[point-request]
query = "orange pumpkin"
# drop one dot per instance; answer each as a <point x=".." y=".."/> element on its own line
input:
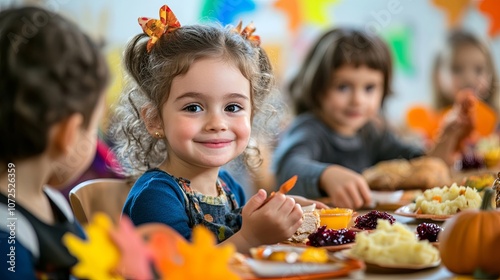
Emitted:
<point x="466" y="240"/>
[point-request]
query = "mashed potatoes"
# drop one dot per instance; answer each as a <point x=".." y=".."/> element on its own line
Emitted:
<point x="447" y="200"/>
<point x="396" y="244"/>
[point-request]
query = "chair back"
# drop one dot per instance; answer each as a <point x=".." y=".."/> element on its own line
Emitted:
<point x="106" y="195"/>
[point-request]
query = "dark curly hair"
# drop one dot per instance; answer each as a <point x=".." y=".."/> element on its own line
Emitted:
<point x="49" y="70"/>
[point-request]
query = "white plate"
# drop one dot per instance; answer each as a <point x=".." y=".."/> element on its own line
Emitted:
<point x="265" y="268"/>
<point x="409" y="211"/>
<point x="392" y="268"/>
<point x="309" y="208"/>
<point x="385" y="197"/>
<point x="282" y="269"/>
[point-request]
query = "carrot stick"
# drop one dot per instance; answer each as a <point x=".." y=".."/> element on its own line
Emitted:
<point x="284" y="188"/>
<point x="288" y="185"/>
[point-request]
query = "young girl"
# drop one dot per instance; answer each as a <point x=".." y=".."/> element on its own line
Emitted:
<point x="51" y="100"/>
<point x="466" y="64"/>
<point x="338" y="132"/>
<point x="195" y="91"/>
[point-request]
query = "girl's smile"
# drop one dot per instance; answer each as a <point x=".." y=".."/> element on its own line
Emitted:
<point x="215" y="143"/>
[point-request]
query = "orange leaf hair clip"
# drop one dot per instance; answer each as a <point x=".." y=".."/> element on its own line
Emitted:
<point x="247" y="33"/>
<point x="155" y="28"/>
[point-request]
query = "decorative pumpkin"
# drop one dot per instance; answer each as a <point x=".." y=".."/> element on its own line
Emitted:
<point x="465" y="243"/>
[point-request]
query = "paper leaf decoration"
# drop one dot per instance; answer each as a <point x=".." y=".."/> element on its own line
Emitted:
<point x="135" y="255"/>
<point x="201" y="259"/>
<point x="305" y="11"/>
<point x="491" y="9"/>
<point x="454" y="10"/>
<point x="293" y="11"/>
<point x="98" y="256"/>
<point x="399" y="39"/>
<point x="318" y="12"/>
<point x="225" y="11"/>
<point x="423" y="120"/>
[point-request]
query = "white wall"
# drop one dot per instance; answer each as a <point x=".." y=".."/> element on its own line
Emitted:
<point x="117" y="22"/>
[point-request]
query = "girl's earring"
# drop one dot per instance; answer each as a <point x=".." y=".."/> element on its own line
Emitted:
<point x="158" y="135"/>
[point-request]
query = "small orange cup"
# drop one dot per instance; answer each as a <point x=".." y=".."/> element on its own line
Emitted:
<point x="335" y="218"/>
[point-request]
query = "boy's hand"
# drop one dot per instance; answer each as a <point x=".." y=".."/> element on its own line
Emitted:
<point x="275" y="221"/>
<point x="345" y="187"/>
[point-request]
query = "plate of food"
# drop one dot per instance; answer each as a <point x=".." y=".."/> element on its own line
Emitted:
<point x="386" y="249"/>
<point x="378" y="267"/>
<point x="441" y="203"/>
<point x="292" y="262"/>
<point x="409" y="211"/>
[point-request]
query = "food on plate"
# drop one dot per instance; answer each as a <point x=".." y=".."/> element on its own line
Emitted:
<point x="369" y="220"/>
<point x="428" y="231"/>
<point x="419" y="173"/>
<point x="330" y="237"/>
<point x="387" y="175"/>
<point x="390" y="244"/>
<point x="289" y="254"/>
<point x="489" y="149"/>
<point x="447" y="200"/>
<point x="309" y="225"/>
<point x="479" y="181"/>
<point x="492" y="157"/>
<point x="314" y="255"/>
<point x="471" y="161"/>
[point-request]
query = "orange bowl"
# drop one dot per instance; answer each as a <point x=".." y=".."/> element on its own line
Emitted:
<point x="335" y="218"/>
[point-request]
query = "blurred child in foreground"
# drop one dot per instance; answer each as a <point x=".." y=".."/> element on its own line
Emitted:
<point x="51" y="98"/>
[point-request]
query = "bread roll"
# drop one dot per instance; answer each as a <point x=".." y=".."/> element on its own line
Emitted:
<point x="419" y="173"/>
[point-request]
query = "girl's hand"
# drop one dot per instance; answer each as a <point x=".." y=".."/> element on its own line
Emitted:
<point x="459" y="124"/>
<point x="305" y="202"/>
<point x="456" y="129"/>
<point x="273" y="222"/>
<point x="345" y="187"/>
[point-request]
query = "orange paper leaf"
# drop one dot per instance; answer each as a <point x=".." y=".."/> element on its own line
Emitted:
<point x="491" y="9"/>
<point x="293" y="10"/>
<point x="454" y="10"/>
<point x="423" y="119"/>
<point x="202" y="259"/>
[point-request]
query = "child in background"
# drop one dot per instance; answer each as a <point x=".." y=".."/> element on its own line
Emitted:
<point x="189" y="111"/>
<point x="338" y="131"/>
<point x="51" y="99"/>
<point x="466" y="64"/>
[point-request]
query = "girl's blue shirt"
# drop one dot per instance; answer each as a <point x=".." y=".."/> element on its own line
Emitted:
<point x="158" y="197"/>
